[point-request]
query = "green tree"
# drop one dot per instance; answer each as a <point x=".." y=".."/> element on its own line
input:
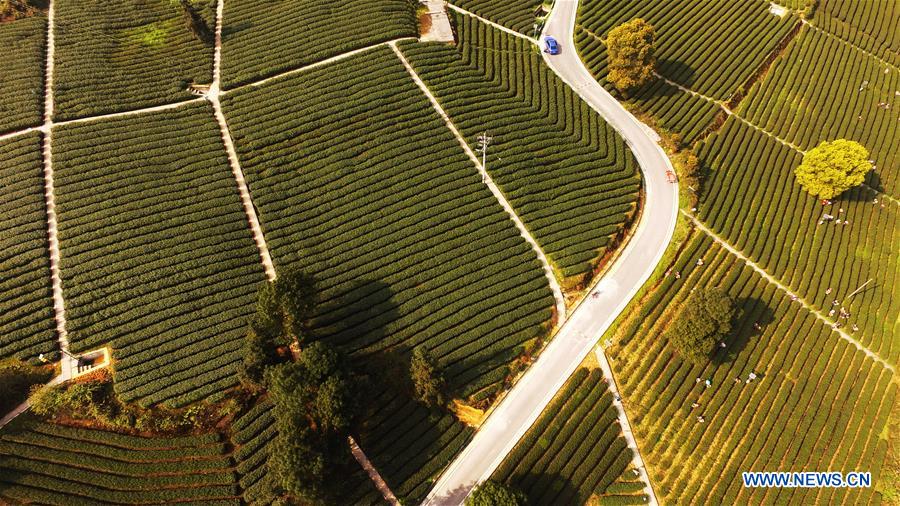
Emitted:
<point x="315" y="402"/>
<point x="299" y="467"/>
<point x="427" y="379"/>
<point x="492" y="493"/>
<point x="259" y="351"/>
<point x="703" y="319"/>
<point x="283" y="306"/>
<point x="283" y="310"/>
<point x="833" y="167"/>
<point x="630" y="51"/>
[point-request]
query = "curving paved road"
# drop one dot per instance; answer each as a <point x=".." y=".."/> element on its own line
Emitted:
<point x="578" y="336"/>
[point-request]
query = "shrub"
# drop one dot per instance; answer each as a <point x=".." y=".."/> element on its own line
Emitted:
<point x="17" y="9"/>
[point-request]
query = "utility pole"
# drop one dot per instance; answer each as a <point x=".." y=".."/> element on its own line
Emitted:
<point x="858" y="289"/>
<point x="483" y="141"/>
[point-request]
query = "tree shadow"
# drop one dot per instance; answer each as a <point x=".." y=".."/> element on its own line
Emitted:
<point x="548" y="489"/>
<point x="873" y="180"/>
<point x="750" y="323"/>
<point x="655" y="89"/>
<point x="676" y="71"/>
<point x="406" y="441"/>
<point x="357" y="318"/>
<point x="454" y="497"/>
<point x="863" y="193"/>
<point x="232" y="28"/>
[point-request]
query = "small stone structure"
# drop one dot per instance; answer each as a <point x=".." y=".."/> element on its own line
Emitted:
<point x="198" y="89"/>
<point x="91" y="361"/>
<point x="778" y="10"/>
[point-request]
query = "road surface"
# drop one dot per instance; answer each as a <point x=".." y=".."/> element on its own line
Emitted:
<point x="578" y="336"/>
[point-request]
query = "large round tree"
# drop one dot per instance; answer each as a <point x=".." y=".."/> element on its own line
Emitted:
<point x="703" y="319"/>
<point x="833" y="167"/>
<point x="630" y="51"/>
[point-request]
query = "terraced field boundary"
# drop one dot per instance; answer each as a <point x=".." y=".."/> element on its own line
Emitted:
<point x="59" y="305"/>
<point x="376" y="478"/>
<point x="548" y="271"/>
<point x="25" y="131"/>
<point x="847" y="337"/>
<point x="320" y="63"/>
<point x="246" y="201"/>
<point x="760" y="73"/>
<point x="636" y="460"/>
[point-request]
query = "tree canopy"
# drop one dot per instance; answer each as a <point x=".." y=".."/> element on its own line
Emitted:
<point x="833" y="167"/>
<point x="283" y="309"/>
<point x="703" y="319"/>
<point x="492" y="493"/>
<point x="315" y="402"/>
<point x="427" y="379"/>
<point x="283" y="306"/>
<point x="630" y="50"/>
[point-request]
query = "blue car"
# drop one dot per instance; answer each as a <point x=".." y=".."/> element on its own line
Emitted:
<point x="551" y="46"/>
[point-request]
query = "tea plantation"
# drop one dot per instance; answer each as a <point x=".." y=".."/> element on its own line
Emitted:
<point x="814" y="283"/>
<point x="358" y="182"/>
<point x="54" y="464"/>
<point x="818" y="401"/>
<point x="22" y="64"/>
<point x="26" y="310"/>
<point x="114" y="56"/>
<point x="568" y="174"/>
<point x="157" y="258"/>
<point x="261" y="38"/>
<point x="156" y="154"/>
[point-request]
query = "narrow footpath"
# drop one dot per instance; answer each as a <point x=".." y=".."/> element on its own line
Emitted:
<point x="637" y="461"/>
<point x="373" y="473"/>
<point x="67" y="363"/>
<point x="246" y="201"/>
